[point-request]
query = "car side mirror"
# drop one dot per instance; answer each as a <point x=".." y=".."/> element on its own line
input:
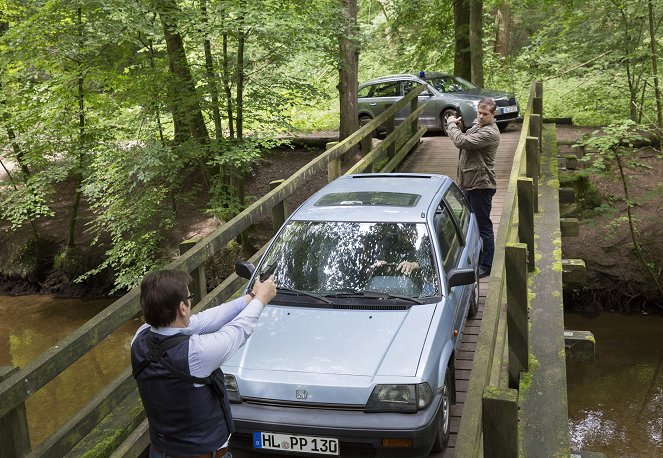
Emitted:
<point x="244" y="269"/>
<point x="461" y="277"/>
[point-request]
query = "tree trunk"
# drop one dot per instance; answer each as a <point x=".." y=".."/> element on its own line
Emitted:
<point x="241" y="38"/>
<point x="476" y="41"/>
<point x="71" y="240"/>
<point x="502" y="29"/>
<point x="226" y="87"/>
<point x="654" y="57"/>
<point x="348" y="71"/>
<point x="462" y="56"/>
<point x="186" y="110"/>
<point x="211" y="76"/>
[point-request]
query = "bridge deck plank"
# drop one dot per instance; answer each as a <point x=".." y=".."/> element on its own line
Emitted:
<point x="437" y="154"/>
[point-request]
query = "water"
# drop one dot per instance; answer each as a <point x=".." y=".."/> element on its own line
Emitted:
<point x="616" y="402"/>
<point x="32" y="324"/>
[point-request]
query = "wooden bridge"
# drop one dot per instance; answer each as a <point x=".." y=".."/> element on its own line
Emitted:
<point x="510" y="370"/>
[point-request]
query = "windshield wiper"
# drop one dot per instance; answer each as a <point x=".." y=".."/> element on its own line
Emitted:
<point x="296" y="292"/>
<point x="376" y="295"/>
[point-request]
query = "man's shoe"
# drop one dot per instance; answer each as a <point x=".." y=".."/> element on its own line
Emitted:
<point x="483" y="272"/>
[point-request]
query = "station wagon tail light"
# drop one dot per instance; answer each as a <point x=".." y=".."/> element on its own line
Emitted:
<point x="399" y="398"/>
<point x="231" y="388"/>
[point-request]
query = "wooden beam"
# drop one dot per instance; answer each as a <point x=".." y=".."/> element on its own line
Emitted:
<point x="515" y="261"/>
<point x="14" y="432"/>
<point x="500" y="422"/>
<point x="579" y="345"/>
<point x="570" y="227"/>
<point x="526" y="219"/>
<point x="567" y="195"/>
<point x="574" y="272"/>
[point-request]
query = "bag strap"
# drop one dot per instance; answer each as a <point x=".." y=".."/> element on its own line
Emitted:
<point x="155" y="354"/>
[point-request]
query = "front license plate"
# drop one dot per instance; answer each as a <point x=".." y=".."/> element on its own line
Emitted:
<point x="297" y="444"/>
<point x="510" y="109"/>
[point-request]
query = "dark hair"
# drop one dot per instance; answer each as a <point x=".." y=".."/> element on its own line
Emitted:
<point x="489" y="103"/>
<point x="161" y="293"/>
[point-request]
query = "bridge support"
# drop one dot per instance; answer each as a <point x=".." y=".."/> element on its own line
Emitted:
<point x="515" y="263"/>
<point x="579" y="345"/>
<point x="14" y="433"/>
<point x="198" y="285"/>
<point x="279" y="210"/>
<point x="500" y="422"/>
<point x="526" y="219"/>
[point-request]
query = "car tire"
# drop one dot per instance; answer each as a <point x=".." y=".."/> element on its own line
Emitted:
<point x="444" y="420"/>
<point x="365" y="119"/>
<point x="502" y="126"/>
<point x="443" y="119"/>
<point x="474" y="301"/>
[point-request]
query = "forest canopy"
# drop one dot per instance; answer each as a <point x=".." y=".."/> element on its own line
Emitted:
<point x="121" y="98"/>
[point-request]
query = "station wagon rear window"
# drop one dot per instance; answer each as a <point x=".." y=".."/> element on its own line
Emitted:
<point x="386" y="199"/>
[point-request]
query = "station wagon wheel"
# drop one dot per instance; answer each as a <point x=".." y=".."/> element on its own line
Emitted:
<point x="444" y="424"/>
<point x="474" y="300"/>
<point x="502" y="126"/>
<point x="443" y="120"/>
<point x="365" y="119"/>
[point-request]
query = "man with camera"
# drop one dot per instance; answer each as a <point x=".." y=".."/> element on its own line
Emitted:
<point x="176" y="359"/>
<point x="476" y="172"/>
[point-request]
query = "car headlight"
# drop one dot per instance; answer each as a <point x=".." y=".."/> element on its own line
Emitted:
<point x="399" y="398"/>
<point x="231" y="388"/>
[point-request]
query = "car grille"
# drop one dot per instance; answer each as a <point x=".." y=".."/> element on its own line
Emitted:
<point x="302" y="405"/>
<point x="505" y="102"/>
<point x="245" y="441"/>
<point x="505" y="117"/>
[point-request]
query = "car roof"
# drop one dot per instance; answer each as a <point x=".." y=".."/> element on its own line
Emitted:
<point x="426" y="186"/>
<point x="428" y="75"/>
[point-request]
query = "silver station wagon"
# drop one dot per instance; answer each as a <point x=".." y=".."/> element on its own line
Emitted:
<point x="375" y="274"/>
<point x="446" y="95"/>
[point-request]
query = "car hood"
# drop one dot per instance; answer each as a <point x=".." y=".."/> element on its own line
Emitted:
<point x="302" y="346"/>
<point x="479" y="93"/>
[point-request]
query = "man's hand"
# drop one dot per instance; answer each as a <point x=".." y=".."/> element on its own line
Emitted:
<point x="266" y="290"/>
<point x="406" y="267"/>
<point x="454" y="120"/>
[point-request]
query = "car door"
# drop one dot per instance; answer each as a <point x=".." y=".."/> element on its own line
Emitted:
<point x="429" y="116"/>
<point x="451" y="251"/>
<point x="382" y="96"/>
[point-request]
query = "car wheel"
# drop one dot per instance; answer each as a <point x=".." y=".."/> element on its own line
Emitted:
<point x="444" y="421"/>
<point x="443" y="120"/>
<point x="365" y="119"/>
<point x="502" y="126"/>
<point x="474" y="301"/>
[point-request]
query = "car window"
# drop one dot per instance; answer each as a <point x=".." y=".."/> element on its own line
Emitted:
<point x="365" y="91"/>
<point x="334" y="257"/>
<point x="407" y="86"/>
<point x="388" y="89"/>
<point x="447" y="236"/>
<point x="459" y="207"/>
<point x="450" y="84"/>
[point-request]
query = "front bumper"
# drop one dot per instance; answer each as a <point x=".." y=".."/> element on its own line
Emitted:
<point x="359" y="434"/>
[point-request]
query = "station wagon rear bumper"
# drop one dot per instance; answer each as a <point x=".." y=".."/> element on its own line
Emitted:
<point x="359" y="433"/>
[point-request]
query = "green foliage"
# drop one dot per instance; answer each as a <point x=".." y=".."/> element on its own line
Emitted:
<point x="23" y="261"/>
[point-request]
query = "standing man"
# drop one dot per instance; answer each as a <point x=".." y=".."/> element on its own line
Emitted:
<point x="176" y="357"/>
<point x="476" y="172"/>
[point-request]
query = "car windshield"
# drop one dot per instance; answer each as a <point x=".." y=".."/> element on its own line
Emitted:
<point x="450" y="84"/>
<point x="349" y="258"/>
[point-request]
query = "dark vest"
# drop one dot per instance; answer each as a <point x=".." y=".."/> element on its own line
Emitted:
<point x="184" y="419"/>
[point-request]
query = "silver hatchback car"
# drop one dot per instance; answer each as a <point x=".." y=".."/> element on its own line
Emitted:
<point x="375" y="274"/>
<point x="446" y="95"/>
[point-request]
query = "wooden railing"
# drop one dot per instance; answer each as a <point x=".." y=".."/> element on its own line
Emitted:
<point x="112" y="423"/>
<point x="496" y="363"/>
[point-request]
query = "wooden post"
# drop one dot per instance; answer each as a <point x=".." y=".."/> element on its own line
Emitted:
<point x="414" y="126"/>
<point x="537" y="105"/>
<point x="515" y="263"/>
<point x="570" y="227"/>
<point x="366" y="144"/>
<point x="14" y="432"/>
<point x="526" y="219"/>
<point x="499" y="416"/>
<point x="198" y="285"/>
<point x="334" y="166"/>
<point x="535" y="129"/>
<point x="279" y="211"/>
<point x="532" y="168"/>
<point x="391" y="149"/>
<point x="538" y="89"/>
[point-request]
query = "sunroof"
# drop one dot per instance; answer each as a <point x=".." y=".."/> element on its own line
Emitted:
<point x="352" y="199"/>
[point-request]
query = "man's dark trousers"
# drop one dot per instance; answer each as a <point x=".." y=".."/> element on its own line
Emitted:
<point x="481" y="201"/>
